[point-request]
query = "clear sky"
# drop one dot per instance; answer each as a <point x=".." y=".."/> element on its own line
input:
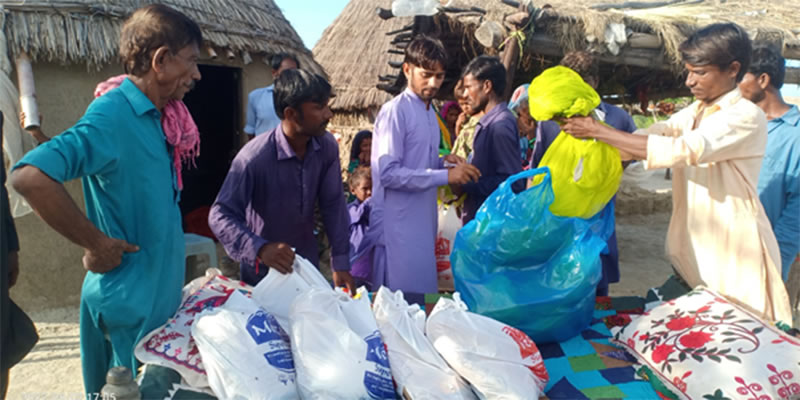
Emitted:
<point x="791" y="90"/>
<point x="310" y="17"/>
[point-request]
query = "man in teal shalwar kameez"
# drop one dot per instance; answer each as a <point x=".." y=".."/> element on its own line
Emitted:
<point x="133" y="240"/>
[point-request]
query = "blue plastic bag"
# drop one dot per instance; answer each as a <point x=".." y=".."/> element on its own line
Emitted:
<point x="518" y="263"/>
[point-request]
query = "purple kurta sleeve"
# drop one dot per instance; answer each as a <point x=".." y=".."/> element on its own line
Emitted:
<point x="227" y="218"/>
<point x="390" y="136"/>
<point x="334" y="212"/>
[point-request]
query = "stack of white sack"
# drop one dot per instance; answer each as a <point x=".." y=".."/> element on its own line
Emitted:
<point x="499" y="361"/>
<point x="420" y="372"/>
<point x="338" y="351"/>
<point x="245" y="351"/>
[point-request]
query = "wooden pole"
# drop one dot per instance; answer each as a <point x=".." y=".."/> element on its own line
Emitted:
<point x="510" y="60"/>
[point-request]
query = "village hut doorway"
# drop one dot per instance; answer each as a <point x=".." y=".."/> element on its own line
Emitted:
<point x="216" y="108"/>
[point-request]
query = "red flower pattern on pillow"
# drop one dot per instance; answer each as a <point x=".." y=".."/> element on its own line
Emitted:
<point x="679" y="324"/>
<point x="695" y="339"/>
<point x="662" y="352"/>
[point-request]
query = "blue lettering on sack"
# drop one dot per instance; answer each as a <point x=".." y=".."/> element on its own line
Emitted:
<point x="376" y="352"/>
<point x="281" y="360"/>
<point x="378" y="387"/>
<point x="379" y="384"/>
<point x="264" y="328"/>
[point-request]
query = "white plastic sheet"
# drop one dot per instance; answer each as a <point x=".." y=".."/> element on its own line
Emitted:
<point x="245" y="352"/>
<point x="499" y="361"/>
<point x="420" y="372"/>
<point x="276" y="292"/>
<point x="449" y="224"/>
<point x="338" y="351"/>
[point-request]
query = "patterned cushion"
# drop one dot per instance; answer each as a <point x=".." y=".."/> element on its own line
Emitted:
<point x="172" y="345"/>
<point x="703" y="347"/>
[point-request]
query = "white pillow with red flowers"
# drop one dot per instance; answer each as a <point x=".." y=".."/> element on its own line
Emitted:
<point x="703" y="347"/>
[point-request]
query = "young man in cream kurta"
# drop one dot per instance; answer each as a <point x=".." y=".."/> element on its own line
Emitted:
<point x="719" y="235"/>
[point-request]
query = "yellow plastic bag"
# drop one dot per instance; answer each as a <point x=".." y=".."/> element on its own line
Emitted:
<point x="560" y="92"/>
<point x="585" y="173"/>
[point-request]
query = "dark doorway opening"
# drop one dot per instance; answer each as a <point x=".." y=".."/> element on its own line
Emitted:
<point x="215" y="106"/>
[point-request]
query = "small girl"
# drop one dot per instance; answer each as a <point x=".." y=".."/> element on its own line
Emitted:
<point x="361" y="259"/>
<point x="360" y="150"/>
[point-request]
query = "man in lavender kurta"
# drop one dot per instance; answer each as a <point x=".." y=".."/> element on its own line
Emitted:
<point x="406" y="170"/>
<point x="266" y="205"/>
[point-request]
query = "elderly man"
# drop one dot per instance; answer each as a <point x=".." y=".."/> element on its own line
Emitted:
<point x="719" y="235"/>
<point x="132" y="238"/>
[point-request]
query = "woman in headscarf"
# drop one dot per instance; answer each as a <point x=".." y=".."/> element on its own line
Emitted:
<point x="360" y="150"/>
<point x="525" y="123"/>
<point x="450" y="112"/>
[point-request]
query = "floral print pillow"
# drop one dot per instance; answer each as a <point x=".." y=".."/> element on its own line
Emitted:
<point x="703" y="347"/>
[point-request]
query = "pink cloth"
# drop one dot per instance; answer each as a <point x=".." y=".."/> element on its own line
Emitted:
<point x="447" y="107"/>
<point x="178" y="125"/>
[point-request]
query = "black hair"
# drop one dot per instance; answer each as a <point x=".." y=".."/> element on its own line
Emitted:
<point x="426" y="52"/>
<point x="355" y="148"/>
<point x="720" y="45"/>
<point x="358" y="175"/>
<point x="582" y="62"/>
<point x="485" y="68"/>
<point x="767" y="59"/>
<point x="295" y="87"/>
<point x="277" y="59"/>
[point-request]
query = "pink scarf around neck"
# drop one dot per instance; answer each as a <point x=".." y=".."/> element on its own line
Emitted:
<point x="178" y="125"/>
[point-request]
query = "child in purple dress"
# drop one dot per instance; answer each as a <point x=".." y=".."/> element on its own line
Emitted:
<point x="360" y="252"/>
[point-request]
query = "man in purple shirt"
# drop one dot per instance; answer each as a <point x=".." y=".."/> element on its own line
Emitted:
<point x="496" y="140"/>
<point x="588" y="68"/>
<point x="266" y="205"/>
<point x="406" y="170"/>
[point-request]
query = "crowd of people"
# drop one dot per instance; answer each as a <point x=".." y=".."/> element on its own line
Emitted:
<point x="735" y="155"/>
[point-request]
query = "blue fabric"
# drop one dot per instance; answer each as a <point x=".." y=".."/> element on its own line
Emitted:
<point x="577" y="346"/>
<point x="779" y="184"/>
<point x="619" y="375"/>
<point x="569" y="374"/>
<point x="550" y="350"/>
<point x="589" y="379"/>
<point x="524" y="144"/>
<point x="129" y="184"/>
<point x="562" y="389"/>
<point x="261" y="116"/>
<point x="617" y="117"/>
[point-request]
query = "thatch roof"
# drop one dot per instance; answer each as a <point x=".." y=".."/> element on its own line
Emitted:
<point x="87" y="32"/>
<point x="354" y="49"/>
<point x="765" y="20"/>
<point x="354" y="52"/>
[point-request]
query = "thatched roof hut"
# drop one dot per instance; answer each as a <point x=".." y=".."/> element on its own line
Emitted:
<point x="87" y="32"/>
<point x="74" y="45"/>
<point x="358" y="53"/>
<point x="354" y="50"/>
